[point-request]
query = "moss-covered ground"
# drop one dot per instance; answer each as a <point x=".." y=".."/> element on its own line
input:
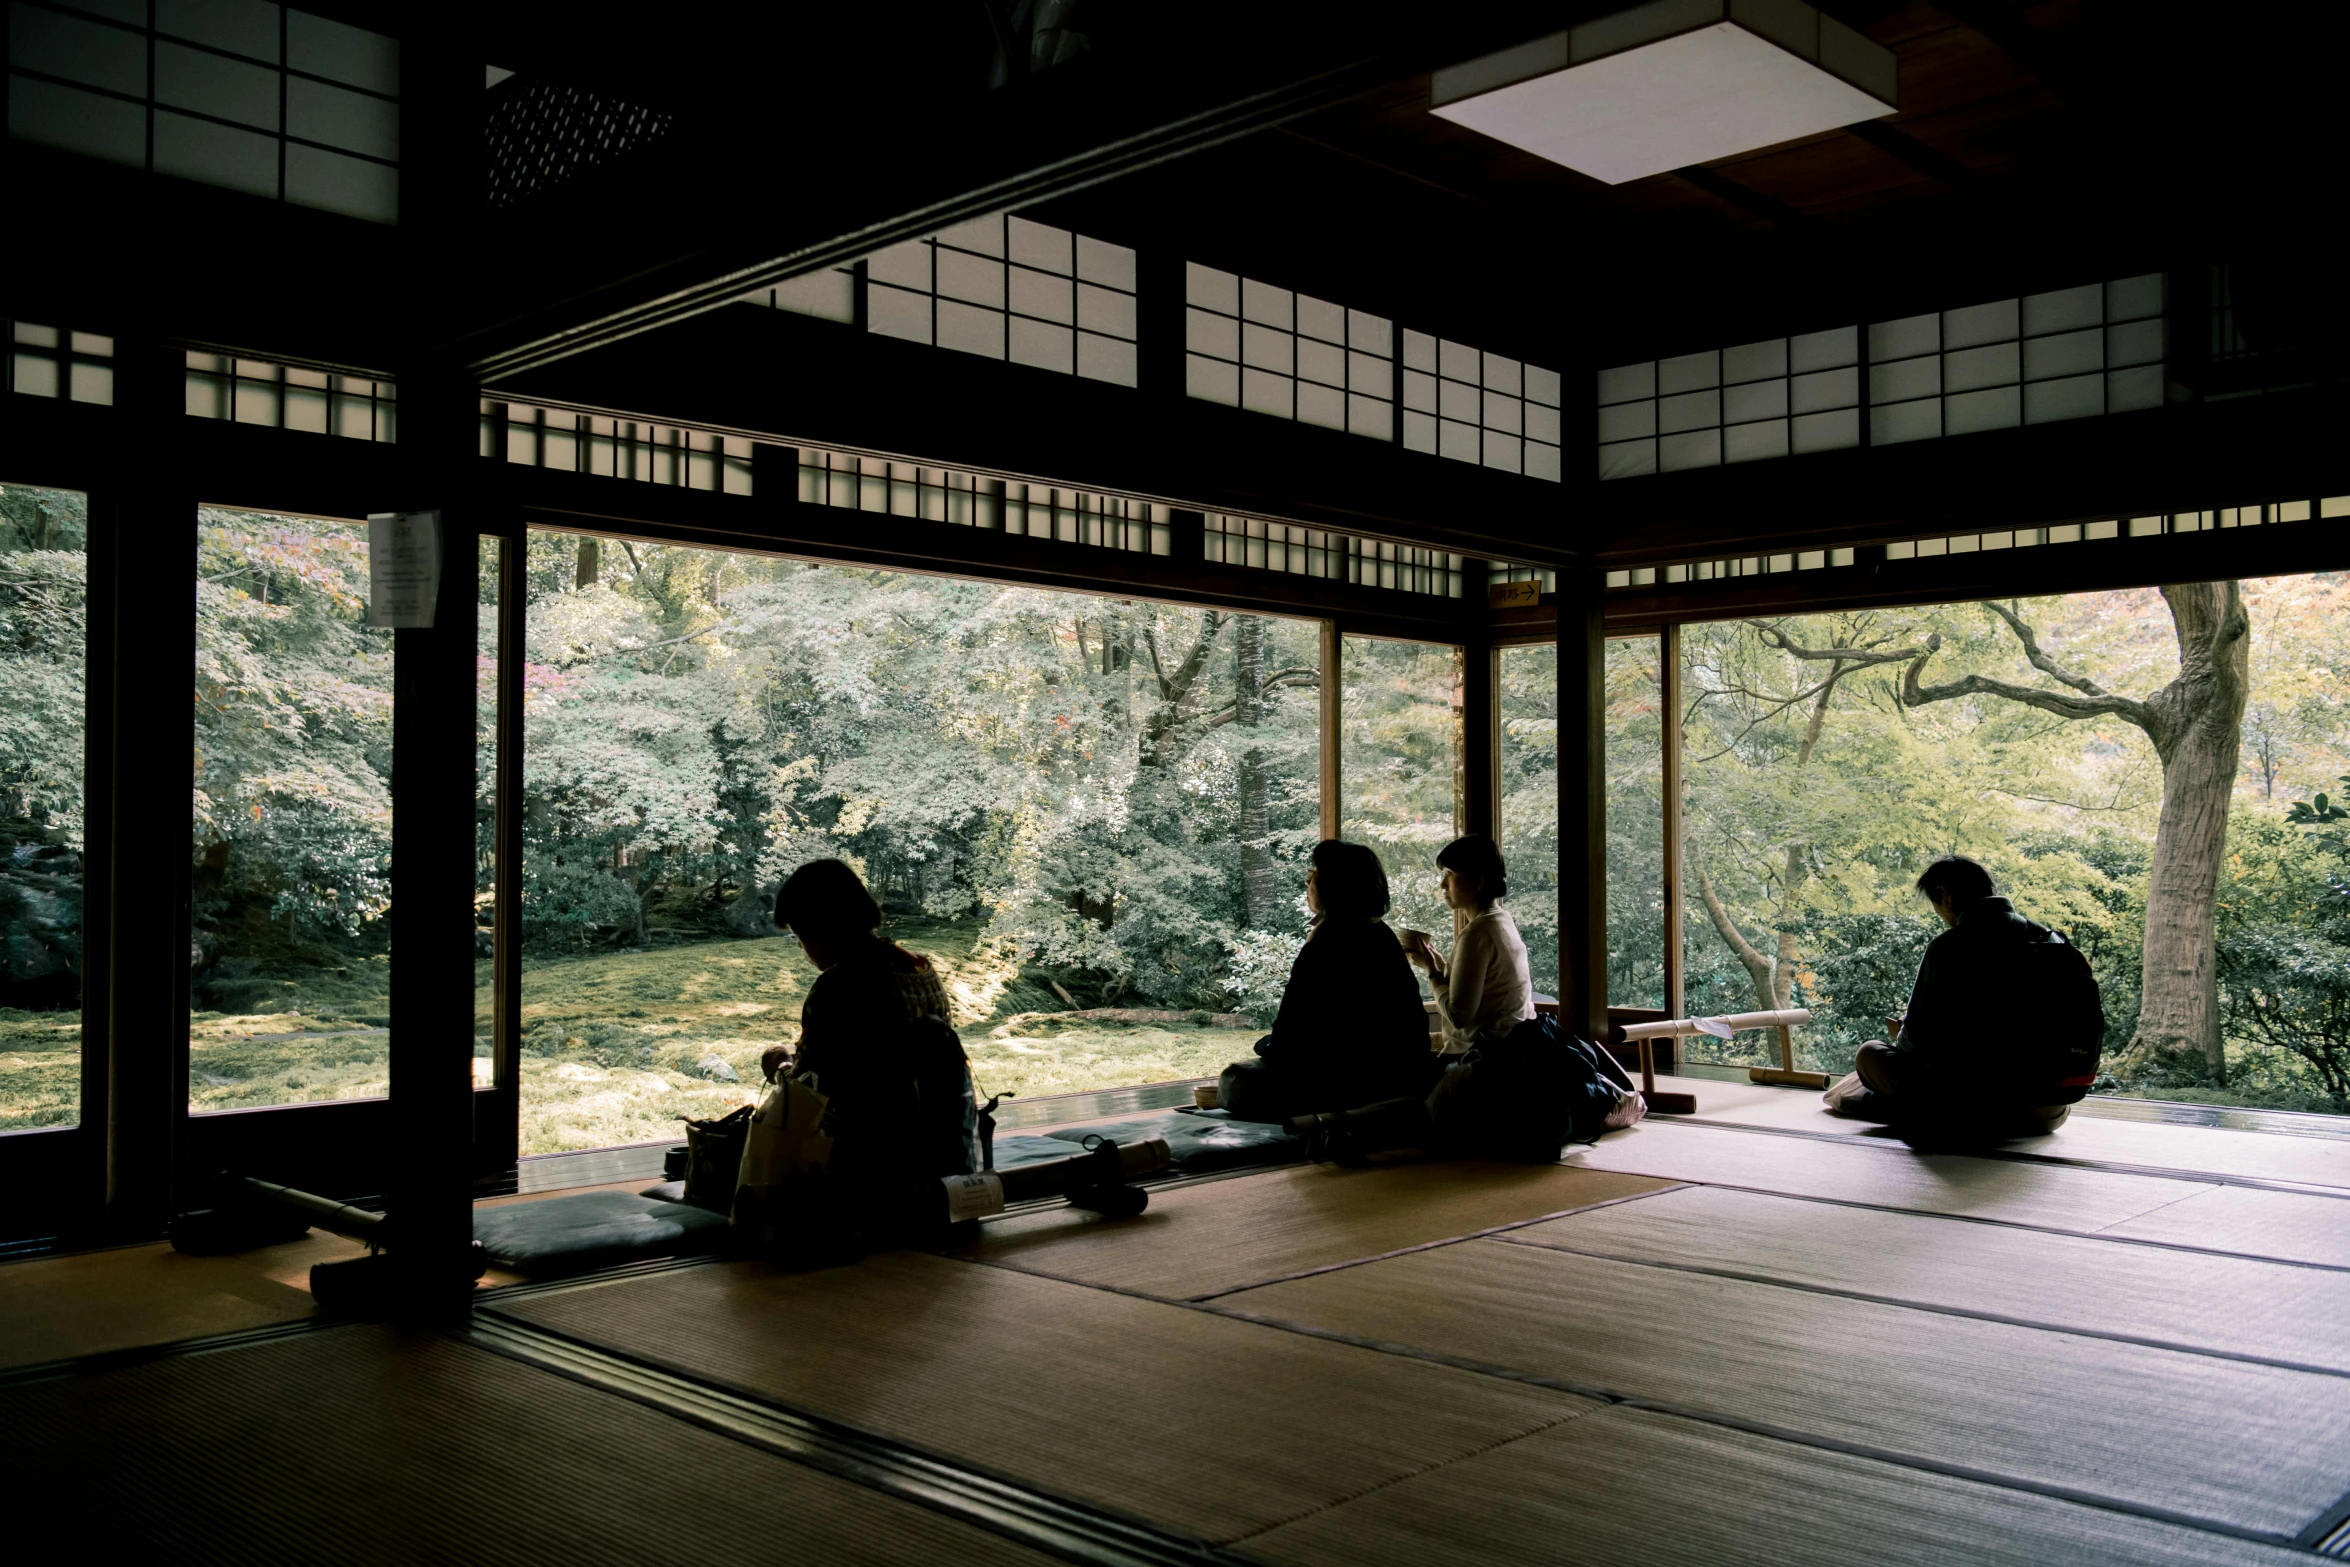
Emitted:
<point x="618" y="1046"/>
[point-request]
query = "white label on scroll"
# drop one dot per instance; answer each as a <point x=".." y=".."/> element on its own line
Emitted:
<point x="973" y="1197"/>
<point x="403" y="568"/>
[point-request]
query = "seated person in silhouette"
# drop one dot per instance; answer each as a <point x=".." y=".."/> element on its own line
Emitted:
<point x="2002" y="1031"/>
<point x="1351" y="1029"/>
<point x="1485" y="987"/>
<point x="874" y="1033"/>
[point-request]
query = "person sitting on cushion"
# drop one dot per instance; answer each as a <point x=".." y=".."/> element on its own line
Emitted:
<point x="874" y="1033"/>
<point x="1948" y="1072"/>
<point x="1486" y="988"/>
<point x="1351" y="1029"/>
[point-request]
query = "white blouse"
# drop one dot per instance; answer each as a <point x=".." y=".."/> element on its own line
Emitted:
<point x="1486" y="987"/>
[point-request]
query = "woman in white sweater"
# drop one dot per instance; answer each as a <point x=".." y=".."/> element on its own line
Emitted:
<point x="1484" y="988"/>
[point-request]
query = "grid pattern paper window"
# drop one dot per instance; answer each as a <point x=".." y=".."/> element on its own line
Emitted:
<point x="48" y="361"/>
<point x="1463" y="403"/>
<point x="974" y="500"/>
<point x="830" y="295"/>
<point x="287" y="397"/>
<point x="1338" y="557"/>
<point x="1006" y="288"/>
<point x="242" y="94"/>
<point x="1274" y="351"/>
<point x="2062" y="355"/>
<point x="1776" y="398"/>
<point x="616" y="448"/>
<point x="1736" y="566"/>
<point x="2248" y="516"/>
<point x="2065" y="354"/>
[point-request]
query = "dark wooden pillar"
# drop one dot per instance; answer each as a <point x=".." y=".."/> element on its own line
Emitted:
<point x="433" y="756"/>
<point x="434" y="693"/>
<point x="1582" y="872"/>
<point x="1669" y="735"/>
<point x="1480" y="807"/>
<point x="497" y="1112"/>
<point x="1477" y="809"/>
<point x="1331" y="691"/>
<point x="146" y="519"/>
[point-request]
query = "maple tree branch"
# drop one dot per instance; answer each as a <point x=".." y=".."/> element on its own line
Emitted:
<point x="2039" y="659"/>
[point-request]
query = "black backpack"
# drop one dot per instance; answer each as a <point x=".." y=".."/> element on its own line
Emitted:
<point x="1527" y="1094"/>
<point x="2060" y="1020"/>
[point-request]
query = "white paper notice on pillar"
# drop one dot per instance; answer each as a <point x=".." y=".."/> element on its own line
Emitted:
<point x="403" y="568"/>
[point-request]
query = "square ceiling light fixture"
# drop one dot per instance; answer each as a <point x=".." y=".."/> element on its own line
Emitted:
<point x="1672" y="83"/>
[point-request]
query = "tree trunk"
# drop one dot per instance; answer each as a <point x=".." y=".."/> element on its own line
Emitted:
<point x="1758" y="965"/>
<point x="588" y="566"/>
<point x="2199" y="740"/>
<point x="1248" y="713"/>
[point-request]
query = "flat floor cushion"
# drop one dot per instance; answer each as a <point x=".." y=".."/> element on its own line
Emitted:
<point x="1199" y="1141"/>
<point x="592" y="1230"/>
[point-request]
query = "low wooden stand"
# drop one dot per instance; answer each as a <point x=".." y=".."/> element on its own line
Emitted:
<point x="1784" y="1074"/>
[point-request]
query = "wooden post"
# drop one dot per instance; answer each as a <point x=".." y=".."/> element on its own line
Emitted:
<point x="498" y="1113"/>
<point x="1480" y="740"/>
<point x="1582" y="784"/>
<point x="148" y="518"/>
<point x="1669" y="702"/>
<point x="1327" y="688"/>
<point x="434" y="700"/>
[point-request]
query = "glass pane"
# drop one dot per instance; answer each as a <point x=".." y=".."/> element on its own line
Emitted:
<point x="290" y="994"/>
<point x="1529" y="824"/>
<point x="43" y="648"/>
<point x="1635" y="824"/>
<point x="1399" y="768"/>
<point x="1067" y="803"/>
<point x="1816" y="797"/>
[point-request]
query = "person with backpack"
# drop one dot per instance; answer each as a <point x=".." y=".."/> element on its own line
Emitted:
<point x="1486" y="989"/>
<point x="1351" y="1028"/>
<point x="2003" y="1030"/>
<point x="874" y="1034"/>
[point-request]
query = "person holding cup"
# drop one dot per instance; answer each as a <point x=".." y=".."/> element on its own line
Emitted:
<point x="1485" y="987"/>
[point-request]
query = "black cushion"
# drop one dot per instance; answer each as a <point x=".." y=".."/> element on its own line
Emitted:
<point x="1015" y="1149"/>
<point x="592" y="1230"/>
<point x="1198" y="1141"/>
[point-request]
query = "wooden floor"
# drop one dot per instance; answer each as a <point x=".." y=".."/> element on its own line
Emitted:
<point x="1757" y="1335"/>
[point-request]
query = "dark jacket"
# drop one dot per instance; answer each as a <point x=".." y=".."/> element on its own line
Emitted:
<point x="875" y="1034"/>
<point x="1966" y="1014"/>
<point x="1351" y="1029"/>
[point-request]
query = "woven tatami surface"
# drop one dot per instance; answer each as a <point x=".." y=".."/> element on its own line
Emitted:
<point x="2292" y="1226"/>
<point x="361" y="1445"/>
<point x="2317" y="1161"/>
<point x="1625" y="1488"/>
<point x="2063" y="1281"/>
<point x="2252" y="1446"/>
<point x="1198" y="1240"/>
<point x="1192" y="1421"/>
<point x="87" y="1303"/>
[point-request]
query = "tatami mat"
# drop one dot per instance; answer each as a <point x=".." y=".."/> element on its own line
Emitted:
<point x="2141" y="1292"/>
<point x="1218" y="1235"/>
<point x="2244" y="1219"/>
<point x="1887" y="1174"/>
<point x="93" y="1302"/>
<point x="2249" y="1445"/>
<point x="1626" y="1488"/>
<point x="2200" y="1150"/>
<point x="1188" y="1420"/>
<point x="362" y="1446"/>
